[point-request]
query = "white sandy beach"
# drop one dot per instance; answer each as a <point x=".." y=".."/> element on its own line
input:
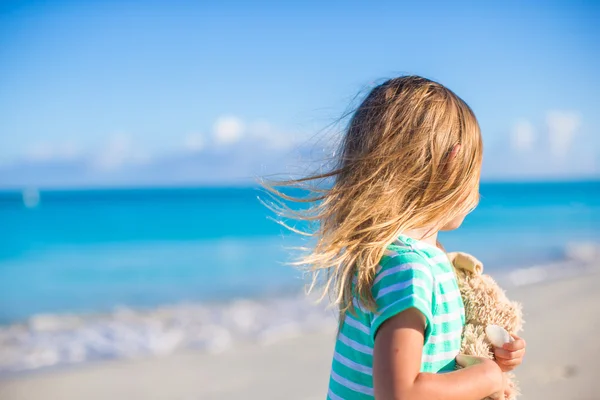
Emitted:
<point x="562" y="321"/>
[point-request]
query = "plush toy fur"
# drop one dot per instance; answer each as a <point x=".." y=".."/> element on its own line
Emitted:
<point x="485" y="304"/>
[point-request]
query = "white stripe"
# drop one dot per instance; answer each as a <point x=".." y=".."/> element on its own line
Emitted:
<point x="396" y="287"/>
<point x="403" y="267"/>
<point x="352" y="385"/>
<point x="445" y="337"/>
<point x="447" y="356"/>
<point x="453" y="316"/>
<point x="357" y="325"/>
<point x="446" y="276"/>
<point x="333" y="396"/>
<point x="447" y="297"/>
<point x="439" y="259"/>
<point x="352" y="365"/>
<point x="355" y="345"/>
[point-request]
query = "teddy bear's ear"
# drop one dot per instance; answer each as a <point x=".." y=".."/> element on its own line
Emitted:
<point x="466" y="262"/>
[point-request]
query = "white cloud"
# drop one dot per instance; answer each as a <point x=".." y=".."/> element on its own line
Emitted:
<point x="562" y="129"/>
<point x="194" y="142"/>
<point x="45" y="151"/>
<point x="118" y="151"/>
<point x="274" y="138"/>
<point x="522" y="136"/>
<point x="228" y="130"/>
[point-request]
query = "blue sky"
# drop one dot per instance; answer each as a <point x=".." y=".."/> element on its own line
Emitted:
<point x="179" y="92"/>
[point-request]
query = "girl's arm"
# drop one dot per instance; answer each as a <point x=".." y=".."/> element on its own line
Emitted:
<point x="397" y="365"/>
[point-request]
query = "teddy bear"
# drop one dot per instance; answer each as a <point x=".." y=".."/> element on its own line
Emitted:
<point x="485" y="304"/>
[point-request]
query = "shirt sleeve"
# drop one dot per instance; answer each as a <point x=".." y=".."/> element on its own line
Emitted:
<point x="404" y="281"/>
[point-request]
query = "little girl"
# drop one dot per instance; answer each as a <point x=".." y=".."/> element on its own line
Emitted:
<point x="408" y="167"/>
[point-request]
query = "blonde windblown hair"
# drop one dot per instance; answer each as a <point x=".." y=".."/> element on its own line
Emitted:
<point x="393" y="173"/>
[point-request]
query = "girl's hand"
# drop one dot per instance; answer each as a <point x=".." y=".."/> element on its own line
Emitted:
<point x="494" y="371"/>
<point x="466" y="361"/>
<point x="511" y="354"/>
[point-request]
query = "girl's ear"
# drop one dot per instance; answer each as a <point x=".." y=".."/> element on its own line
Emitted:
<point x="451" y="156"/>
<point x="453" y="152"/>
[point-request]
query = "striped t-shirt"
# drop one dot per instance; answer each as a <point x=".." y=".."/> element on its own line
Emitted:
<point x="415" y="274"/>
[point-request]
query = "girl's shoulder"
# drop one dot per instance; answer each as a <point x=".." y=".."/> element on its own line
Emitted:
<point x="407" y="253"/>
<point x="400" y="260"/>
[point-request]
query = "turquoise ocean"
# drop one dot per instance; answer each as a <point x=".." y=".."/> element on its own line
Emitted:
<point x="97" y="274"/>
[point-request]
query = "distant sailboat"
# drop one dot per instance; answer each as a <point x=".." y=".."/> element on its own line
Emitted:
<point x="31" y="197"/>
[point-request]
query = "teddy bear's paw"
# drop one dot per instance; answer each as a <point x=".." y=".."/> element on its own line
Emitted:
<point x="512" y="391"/>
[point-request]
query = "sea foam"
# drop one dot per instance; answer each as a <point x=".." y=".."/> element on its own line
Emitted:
<point x="51" y="340"/>
<point x="48" y="340"/>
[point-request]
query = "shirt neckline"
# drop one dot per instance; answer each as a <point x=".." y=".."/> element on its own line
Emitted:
<point x="419" y="243"/>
